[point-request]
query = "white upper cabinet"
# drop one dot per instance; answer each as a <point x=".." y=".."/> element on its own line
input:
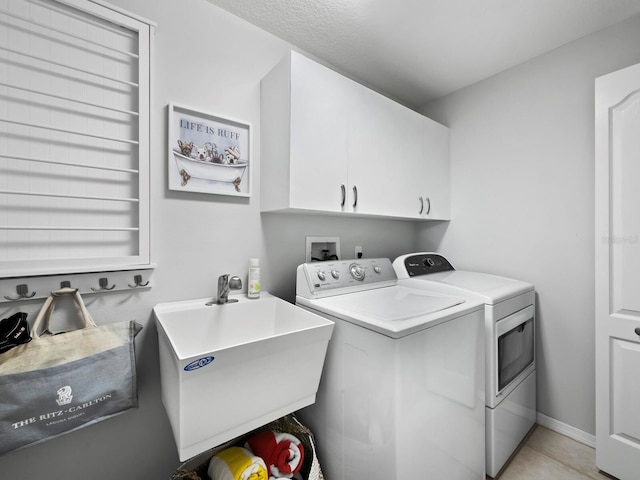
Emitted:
<point x="304" y="141"/>
<point x="331" y="145"/>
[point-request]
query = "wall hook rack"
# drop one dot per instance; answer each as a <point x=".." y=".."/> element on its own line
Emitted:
<point x="138" y="282"/>
<point x="22" y="291"/>
<point x="103" y="282"/>
<point x="37" y="287"/>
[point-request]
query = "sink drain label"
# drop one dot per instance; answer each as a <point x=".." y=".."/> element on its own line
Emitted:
<point x="196" y="364"/>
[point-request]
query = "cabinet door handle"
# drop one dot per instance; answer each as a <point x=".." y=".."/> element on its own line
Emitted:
<point x="428" y="205"/>
<point x="421" y="205"/>
<point x="355" y="196"/>
<point x="344" y="195"/>
<point x="637" y="330"/>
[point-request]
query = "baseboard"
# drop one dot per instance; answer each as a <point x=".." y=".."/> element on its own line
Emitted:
<point x="567" y="430"/>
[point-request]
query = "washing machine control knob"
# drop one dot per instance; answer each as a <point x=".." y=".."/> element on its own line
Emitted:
<point x="377" y="269"/>
<point x="357" y="272"/>
<point x="322" y="276"/>
<point x="335" y="274"/>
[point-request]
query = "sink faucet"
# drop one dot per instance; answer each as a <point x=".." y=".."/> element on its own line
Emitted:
<point x="225" y="284"/>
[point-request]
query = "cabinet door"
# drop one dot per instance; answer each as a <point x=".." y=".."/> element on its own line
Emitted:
<point x="319" y="132"/>
<point x="435" y="180"/>
<point x="412" y="194"/>
<point x="382" y="138"/>
<point x="418" y="175"/>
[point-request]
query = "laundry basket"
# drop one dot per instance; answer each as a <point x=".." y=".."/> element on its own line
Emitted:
<point x="196" y="468"/>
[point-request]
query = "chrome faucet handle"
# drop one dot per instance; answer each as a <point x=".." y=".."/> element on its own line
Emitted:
<point x="235" y="283"/>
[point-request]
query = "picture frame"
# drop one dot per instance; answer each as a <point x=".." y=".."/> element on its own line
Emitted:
<point x="208" y="153"/>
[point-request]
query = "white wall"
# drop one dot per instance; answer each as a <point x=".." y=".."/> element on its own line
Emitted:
<point x="522" y="186"/>
<point x="210" y="60"/>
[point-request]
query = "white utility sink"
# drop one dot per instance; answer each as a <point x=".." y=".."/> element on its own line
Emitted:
<point x="227" y="369"/>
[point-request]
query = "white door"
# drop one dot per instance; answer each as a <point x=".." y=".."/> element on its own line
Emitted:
<point x="617" y="264"/>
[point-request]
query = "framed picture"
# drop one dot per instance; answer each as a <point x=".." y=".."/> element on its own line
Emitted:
<point x="208" y="154"/>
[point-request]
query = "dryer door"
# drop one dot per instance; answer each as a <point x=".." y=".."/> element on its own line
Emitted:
<point x="515" y="348"/>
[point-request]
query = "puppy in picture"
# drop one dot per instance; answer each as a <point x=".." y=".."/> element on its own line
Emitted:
<point x="185" y="148"/>
<point x="201" y="153"/>
<point x="232" y="155"/>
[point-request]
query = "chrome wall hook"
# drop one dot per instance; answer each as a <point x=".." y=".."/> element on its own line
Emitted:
<point x="138" y="282"/>
<point x="103" y="282"/>
<point x="23" y="292"/>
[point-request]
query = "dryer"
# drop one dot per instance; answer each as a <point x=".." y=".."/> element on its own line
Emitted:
<point x="510" y="345"/>
<point x="402" y="389"/>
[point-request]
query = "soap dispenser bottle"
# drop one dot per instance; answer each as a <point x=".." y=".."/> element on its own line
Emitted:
<point x="253" y="290"/>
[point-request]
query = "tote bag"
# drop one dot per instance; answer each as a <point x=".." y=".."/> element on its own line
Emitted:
<point x="58" y="383"/>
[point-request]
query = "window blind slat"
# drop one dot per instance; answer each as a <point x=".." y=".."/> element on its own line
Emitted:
<point x="68" y="99"/>
<point x="95" y="229"/>
<point x="66" y="195"/>
<point x="69" y="67"/>
<point x="70" y="164"/>
<point x="64" y="130"/>
<point x="67" y="34"/>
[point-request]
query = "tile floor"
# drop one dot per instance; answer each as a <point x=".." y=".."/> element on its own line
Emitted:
<point x="547" y="455"/>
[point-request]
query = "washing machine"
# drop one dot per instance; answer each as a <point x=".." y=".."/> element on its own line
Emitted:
<point x="402" y="389"/>
<point x="510" y="345"/>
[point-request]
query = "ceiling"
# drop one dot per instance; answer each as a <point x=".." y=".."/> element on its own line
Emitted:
<point x="419" y="50"/>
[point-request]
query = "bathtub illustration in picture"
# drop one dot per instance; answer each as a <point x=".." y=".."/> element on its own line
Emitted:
<point x="189" y="168"/>
<point x="207" y="153"/>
